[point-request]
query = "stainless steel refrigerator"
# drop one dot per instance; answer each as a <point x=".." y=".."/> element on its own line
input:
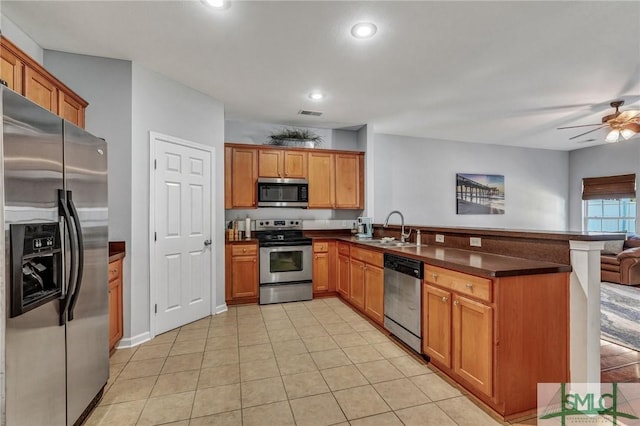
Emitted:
<point x="55" y="206"/>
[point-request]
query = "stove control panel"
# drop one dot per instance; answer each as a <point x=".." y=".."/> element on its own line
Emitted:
<point x="273" y="224"/>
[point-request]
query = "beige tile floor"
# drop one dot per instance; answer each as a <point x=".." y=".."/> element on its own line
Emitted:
<point x="304" y="363"/>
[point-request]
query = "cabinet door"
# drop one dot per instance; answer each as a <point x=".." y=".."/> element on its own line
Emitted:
<point x="244" y="276"/>
<point x="70" y="109"/>
<point x="321" y="180"/>
<point x="40" y="90"/>
<point x="374" y="292"/>
<point x="436" y="324"/>
<point x="11" y="70"/>
<point x="344" y="275"/>
<point x="473" y="348"/>
<point x="115" y="312"/>
<point x="320" y="272"/>
<point x="356" y="283"/>
<point x="348" y="183"/>
<point x="244" y="172"/>
<point x="270" y="163"/>
<point x="295" y="164"/>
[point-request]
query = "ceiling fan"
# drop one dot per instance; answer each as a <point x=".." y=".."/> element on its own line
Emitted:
<point x="623" y="125"/>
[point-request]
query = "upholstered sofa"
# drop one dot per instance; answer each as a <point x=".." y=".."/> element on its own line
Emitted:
<point x="620" y="261"/>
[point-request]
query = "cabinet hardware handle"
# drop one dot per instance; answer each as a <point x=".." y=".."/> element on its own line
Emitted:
<point x="469" y="285"/>
<point x="434" y="276"/>
<point x="456" y="303"/>
<point x="113" y="271"/>
<point x="244" y="250"/>
<point x="444" y="298"/>
<point x="254" y="260"/>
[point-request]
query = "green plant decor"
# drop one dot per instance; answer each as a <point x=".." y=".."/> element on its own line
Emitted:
<point x="294" y="137"/>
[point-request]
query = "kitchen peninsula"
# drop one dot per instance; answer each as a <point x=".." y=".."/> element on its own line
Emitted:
<point x="487" y="311"/>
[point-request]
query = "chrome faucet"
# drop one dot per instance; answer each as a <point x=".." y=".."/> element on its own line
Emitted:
<point x="403" y="236"/>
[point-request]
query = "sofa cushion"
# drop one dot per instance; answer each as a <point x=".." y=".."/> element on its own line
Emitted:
<point x="633" y="240"/>
<point x="613" y="247"/>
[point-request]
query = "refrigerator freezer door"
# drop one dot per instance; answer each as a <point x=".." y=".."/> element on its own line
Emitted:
<point x="88" y="332"/>
<point x="35" y="342"/>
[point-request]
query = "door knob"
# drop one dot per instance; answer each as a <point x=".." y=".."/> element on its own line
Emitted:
<point x="207" y="243"/>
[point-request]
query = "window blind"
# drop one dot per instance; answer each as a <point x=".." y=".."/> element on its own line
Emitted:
<point x="608" y="187"/>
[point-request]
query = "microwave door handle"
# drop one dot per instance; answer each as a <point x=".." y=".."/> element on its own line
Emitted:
<point x="64" y="212"/>
<point x="76" y="221"/>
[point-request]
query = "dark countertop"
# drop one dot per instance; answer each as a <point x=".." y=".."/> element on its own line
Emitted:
<point x="116" y="250"/>
<point x="242" y="240"/>
<point x="470" y="262"/>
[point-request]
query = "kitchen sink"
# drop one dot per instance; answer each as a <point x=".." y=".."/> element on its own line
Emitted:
<point x="386" y="243"/>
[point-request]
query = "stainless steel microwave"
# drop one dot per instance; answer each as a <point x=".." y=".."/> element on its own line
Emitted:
<point x="275" y="192"/>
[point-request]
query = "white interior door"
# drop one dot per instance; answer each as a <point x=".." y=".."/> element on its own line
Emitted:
<point x="181" y="266"/>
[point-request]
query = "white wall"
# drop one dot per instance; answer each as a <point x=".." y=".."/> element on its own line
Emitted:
<point x="418" y="177"/>
<point x="253" y="132"/>
<point x="21" y="39"/>
<point x="106" y="85"/>
<point x="162" y="105"/>
<point x="601" y="160"/>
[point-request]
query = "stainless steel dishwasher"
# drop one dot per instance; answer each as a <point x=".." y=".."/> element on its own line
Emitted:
<point x="402" y="299"/>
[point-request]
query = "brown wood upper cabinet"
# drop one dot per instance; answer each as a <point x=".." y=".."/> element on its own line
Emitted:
<point x="336" y="180"/>
<point x="278" y="163"/>
<point x="27" y="77"/>
<point x="241" y="176"/>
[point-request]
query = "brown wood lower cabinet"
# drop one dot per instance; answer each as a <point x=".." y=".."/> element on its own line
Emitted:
<point x="498" y="337"/>
<point x="324" y="267"/>
<point x="115" y="303"/>
<point x="343" y="276"/>
<point x="242" y="272"/>
<point x="360" y="279"/>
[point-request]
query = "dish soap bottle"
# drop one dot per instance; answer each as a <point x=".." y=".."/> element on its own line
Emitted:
<point x="418" y="238"/>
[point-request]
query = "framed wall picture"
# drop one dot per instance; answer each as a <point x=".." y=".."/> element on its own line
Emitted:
<point x="479" y="194"/>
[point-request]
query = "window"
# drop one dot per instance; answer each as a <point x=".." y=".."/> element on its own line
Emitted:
<point x="610" y="203"/>
<point x="614" y="215"/>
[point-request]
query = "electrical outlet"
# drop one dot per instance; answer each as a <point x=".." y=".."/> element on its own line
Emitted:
<point x="439" y="238"/>
<point x="475" y="242"/>
<point x="344" y="223"/>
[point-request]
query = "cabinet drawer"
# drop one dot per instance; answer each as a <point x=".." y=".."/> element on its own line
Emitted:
<point x="320" y="247"/>
<point x="244" y="249"/>
<point x="367" y="256"/>
<point x="477" y="287"/>
<point x="114" y="270"/>
<point x="343" y="249"/>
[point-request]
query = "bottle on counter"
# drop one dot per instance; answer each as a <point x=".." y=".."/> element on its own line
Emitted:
<point x="418" y="238"/>
<point x="247" y="227"/>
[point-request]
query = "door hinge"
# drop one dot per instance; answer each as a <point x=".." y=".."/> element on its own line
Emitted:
<point x="155" y="164"/>
<point x="156" y="308"/>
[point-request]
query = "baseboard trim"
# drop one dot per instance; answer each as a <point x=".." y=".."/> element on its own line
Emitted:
<point x="221" y="308"/>
<point x="130" y="342"/>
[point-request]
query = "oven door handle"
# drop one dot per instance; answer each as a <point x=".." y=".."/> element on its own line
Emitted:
<point x="284" y="244"/>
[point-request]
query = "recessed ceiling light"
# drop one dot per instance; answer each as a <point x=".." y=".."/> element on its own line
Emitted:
<point x="364" y="30"/>
<point x="217" y="4"/>
<point x="316" y="96"/>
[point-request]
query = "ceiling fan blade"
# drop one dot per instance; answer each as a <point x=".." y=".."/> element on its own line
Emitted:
<point x="586" y="133"/>
<point x="583" y="125"/>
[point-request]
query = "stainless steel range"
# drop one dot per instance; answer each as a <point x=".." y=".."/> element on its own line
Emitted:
<point x="285" y="261"/>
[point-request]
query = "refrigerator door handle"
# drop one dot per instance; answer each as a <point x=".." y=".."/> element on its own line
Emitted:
<point x="64" y="212"/>
<point x="76" y="221"/>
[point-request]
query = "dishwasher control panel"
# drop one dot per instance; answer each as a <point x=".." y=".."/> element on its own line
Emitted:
<point x="404" y="265"/>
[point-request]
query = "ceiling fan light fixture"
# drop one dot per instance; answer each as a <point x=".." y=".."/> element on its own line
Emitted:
<point x="629" y="130"/>
<point x="613" y="136"/>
